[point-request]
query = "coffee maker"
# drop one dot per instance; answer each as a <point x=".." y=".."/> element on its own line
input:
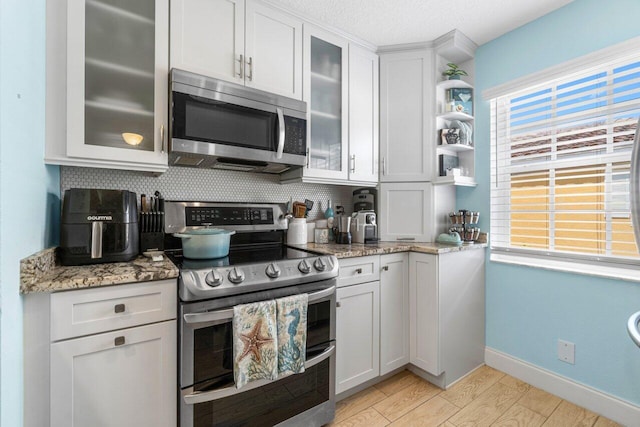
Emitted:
<point x="364" y="227"/>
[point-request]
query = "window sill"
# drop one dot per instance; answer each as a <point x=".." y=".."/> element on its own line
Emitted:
<point x="597" y="269"/>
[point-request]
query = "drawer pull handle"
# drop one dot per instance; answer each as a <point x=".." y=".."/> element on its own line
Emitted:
<point x="119" y="308"/>
<point x="118" y="341"/>
<point x="385" y="268"/>
<point x="358" y="271"/>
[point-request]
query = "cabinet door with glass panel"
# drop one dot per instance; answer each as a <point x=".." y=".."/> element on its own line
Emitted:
<point x="325" y="91"/>
<point x="117" y="71"/>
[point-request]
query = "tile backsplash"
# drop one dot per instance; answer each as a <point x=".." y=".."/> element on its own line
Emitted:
<point x="209" y="185"/>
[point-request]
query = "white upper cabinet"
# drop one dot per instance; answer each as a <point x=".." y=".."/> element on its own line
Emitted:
<point x="326" y="94"/>
<point x="406" y="212"/>
<point x="196" y="47"/>
<point x="363" y="115"/>
<point x="242" y="41"/>
<point x="407" y="130"/>
<point x="107" y="79"/>
<point x="273" y="51"/>
<point x="341" y="91"/>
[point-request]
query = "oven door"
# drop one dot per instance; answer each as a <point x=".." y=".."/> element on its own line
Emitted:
<point x="208" y="394"/>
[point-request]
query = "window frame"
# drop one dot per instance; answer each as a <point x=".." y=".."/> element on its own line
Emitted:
<point x="597" y="265"/>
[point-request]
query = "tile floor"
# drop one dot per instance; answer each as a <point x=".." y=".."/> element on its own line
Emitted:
<point x="486" y="397"/>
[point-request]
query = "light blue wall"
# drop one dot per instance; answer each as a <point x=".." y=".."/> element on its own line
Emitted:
<point x="528" y="309"/>
<point x="29" y="190"/>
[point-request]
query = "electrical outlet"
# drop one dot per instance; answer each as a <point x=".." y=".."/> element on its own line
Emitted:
<point x="567" y="351"/>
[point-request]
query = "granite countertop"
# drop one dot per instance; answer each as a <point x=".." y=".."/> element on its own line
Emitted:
<point x="42" y="273"/>
<point x="380" y="248"/>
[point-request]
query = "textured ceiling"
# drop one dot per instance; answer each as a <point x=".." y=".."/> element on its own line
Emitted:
<point x="384" y="22"/>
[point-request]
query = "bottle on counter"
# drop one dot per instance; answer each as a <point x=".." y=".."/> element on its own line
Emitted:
<point x="328" y="214"/>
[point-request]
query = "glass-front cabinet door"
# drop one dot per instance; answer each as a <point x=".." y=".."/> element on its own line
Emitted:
<point x="117" y="75"/>
<point x="325" y="91"/>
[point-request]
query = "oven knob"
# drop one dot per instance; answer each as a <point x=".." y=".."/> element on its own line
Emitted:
<point x="304" y="267"/>
<point x="236" y="276"/>
<point x="214" y="278"/>
<point x="320" y="265"/>
<point x="273" y="271"/>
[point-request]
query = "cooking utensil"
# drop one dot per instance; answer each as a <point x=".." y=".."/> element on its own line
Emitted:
<point x="205" y="243"/>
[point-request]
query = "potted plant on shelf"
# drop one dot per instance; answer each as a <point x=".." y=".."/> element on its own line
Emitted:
<point x="454" y="72"/>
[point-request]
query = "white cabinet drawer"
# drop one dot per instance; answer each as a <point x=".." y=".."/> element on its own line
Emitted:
<point x="90" y="311"/>
<point x="359" y="270"/>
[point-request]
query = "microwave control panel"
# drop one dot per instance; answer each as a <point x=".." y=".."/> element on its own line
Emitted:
<point x="296" y="136"/>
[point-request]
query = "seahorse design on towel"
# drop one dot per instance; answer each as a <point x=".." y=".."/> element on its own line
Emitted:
<point x="293" y="330"/>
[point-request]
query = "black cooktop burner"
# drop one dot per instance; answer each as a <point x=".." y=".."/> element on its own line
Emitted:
<point x="238" y="257"/>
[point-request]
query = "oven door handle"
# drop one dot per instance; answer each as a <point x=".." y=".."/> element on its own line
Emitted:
<point x="207" y="396"/>
<point x="218" y="315"/>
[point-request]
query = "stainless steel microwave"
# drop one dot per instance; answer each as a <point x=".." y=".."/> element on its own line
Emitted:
<point x="222" y="125"/>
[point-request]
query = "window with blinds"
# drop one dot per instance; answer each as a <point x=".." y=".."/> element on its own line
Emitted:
<point x="560" y="159"/>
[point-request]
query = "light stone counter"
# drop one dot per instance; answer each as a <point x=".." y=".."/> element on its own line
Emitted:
<point x="380" y="248"/>
<point x="41" y="273"/>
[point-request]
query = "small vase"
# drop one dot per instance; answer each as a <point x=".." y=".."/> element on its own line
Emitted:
<point x="456" y="77"/>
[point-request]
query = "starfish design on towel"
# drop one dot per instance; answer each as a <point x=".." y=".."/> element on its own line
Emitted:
<point x="253" y="341"/>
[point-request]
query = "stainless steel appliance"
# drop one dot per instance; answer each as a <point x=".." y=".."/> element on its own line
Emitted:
<point x="259" y="267"/>
<point x="364" y="199"/>
<point x="98" y="226"/>
<point x="222" y="125"/>
<point x="364" y="228"/>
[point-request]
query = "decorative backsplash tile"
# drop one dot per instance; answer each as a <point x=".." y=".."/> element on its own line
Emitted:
<point x="209" y="185"/>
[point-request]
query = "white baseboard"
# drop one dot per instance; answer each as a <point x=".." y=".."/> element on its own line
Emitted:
<point x="594" y="400"/>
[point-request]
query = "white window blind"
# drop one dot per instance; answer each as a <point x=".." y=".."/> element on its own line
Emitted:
<point x="560" y="160"/>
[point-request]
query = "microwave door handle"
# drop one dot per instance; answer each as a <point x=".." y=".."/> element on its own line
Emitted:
<point x="207" y="396"/>
<point x="281" y="133"/>
<point x="227" y="313"/>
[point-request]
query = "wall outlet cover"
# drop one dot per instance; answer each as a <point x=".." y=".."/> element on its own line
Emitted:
<point x="567" y="351"/>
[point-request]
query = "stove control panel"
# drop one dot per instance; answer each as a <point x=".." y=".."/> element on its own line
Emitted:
<point x="195" y="285"/>
<point x="232" y="215"/>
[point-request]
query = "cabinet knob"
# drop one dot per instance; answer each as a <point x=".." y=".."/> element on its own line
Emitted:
<point x="385" y="268"/>
<point x="358" y="271"/>
<point x="119" y="308"/>
<point x="338" y="304"/>
<point x="118" y="341"/>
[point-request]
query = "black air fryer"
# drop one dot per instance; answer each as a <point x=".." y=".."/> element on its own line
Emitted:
<point x="98" y="226"/>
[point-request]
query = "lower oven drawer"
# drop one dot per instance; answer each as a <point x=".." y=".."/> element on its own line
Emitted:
<point x="301" y="399"/>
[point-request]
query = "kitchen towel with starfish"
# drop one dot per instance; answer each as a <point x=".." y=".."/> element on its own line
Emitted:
<point x="292" y="333"/>
<point x="255" y="354"/>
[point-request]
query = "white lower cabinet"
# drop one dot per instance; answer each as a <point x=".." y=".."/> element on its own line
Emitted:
<point x="447" y="313"/>
<point x="394" y="311"/>
<point x="357" y="335"/>
<point x="113" y="356"/>
<point x="121" y="378"/>
<point x="357" y="322"/>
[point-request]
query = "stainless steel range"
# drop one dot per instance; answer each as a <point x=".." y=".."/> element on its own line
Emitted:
<point x="259" y="267"/>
